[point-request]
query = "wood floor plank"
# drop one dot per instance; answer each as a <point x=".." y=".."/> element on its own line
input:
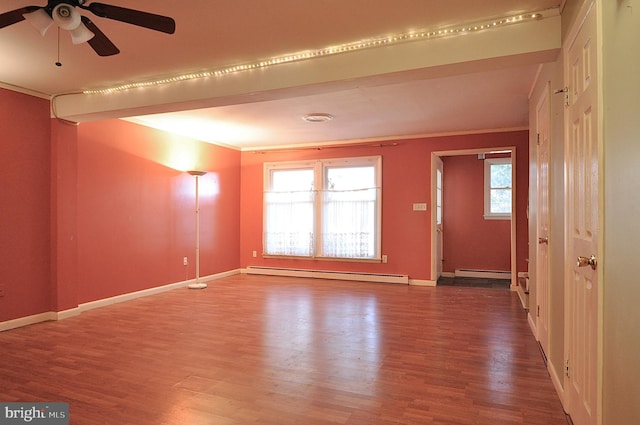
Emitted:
<point x="273" y="350"/>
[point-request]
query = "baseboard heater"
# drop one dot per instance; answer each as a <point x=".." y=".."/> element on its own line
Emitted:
<point x="487" y="274"/>
<point x="326" y="274"/>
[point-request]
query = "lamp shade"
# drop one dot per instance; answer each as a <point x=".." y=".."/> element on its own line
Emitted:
<point x="81" y="34"/>
<point x="40" y="20"/>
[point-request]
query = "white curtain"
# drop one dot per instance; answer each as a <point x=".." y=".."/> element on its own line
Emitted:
<point x="289" y="223"/>
<point x="349" y="223"/>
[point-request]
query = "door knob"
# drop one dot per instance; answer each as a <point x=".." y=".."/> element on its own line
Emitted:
<point x="588" y="261"/>
<point x="543" y="240"/>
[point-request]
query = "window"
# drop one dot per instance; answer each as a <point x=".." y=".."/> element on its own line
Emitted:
<point x="497" y="188"/>
<point x="325" y="208"/>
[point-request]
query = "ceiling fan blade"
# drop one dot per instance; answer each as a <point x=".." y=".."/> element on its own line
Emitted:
<point x="100" y="43"/>
<point x="134" y="17"/>
<point x="14" y="16"/>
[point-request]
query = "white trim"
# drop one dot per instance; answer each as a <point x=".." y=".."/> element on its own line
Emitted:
<point x="419" y="282"/>
<point x="355" y="142"/>
<point x="436" y="256"/>
<point x="319" y="168"/>
<point x="131" y="296"/>
<point x="532" y="325"/>
<point x="487" y="274"/>
<point x="488" y="163"/>
<point x="24" y="90"/>
<point x="557" y="383"/>
<point x="328" y="274"/>
<point x="524" y="297"/>
<point x="65" y="314"/>
<point x="150" y="291"/>
<point x="512" y="149"/>
<point x="27" y="320"/>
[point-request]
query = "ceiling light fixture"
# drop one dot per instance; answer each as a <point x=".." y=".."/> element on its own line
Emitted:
<point x="317" y="117"/>
<point x="66" y="17"/>
<point x="343" y="48"/>
<point x="40" y="20"/>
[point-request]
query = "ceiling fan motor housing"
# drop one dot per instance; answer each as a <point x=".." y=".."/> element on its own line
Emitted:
<point x="66" y="16"/>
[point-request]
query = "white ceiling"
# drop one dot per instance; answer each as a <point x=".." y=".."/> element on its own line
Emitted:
<point x="389" y="92"/>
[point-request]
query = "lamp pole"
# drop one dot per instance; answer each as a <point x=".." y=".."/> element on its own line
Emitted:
<point x="197" y="284"/>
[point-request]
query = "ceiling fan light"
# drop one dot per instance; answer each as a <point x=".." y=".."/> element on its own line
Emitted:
<point x="40" y="20"/>
<point x="66" y="17"/>
<point x="81" y="34"/>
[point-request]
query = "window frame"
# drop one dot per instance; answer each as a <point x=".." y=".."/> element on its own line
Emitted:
<point x="488" y="163"/>
<point x="320" y="167"/>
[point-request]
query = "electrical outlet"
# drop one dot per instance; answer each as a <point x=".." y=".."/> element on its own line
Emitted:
<point x="185" y="261"/>
<point x="420" y="206"/>
<point x="384" y="258"/>
<point x="255" y="254"/>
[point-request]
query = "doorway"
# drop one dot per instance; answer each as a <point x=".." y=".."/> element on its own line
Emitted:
<point x="439" y="265"/>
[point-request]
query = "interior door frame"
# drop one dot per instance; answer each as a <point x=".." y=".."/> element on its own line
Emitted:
<point x="436" y="250"/>
<point x="542" y="297"/>
<point x="434" y="237"/>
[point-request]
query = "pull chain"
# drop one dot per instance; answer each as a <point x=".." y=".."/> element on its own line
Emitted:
<point x="58" y="63"/>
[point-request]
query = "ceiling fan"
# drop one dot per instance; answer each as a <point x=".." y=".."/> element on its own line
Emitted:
<point x="65" y="15"/>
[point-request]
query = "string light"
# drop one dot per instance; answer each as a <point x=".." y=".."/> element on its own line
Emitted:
<point x="329" y="51"/>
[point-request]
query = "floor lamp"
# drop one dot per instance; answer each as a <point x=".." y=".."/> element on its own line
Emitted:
<point x="197" y="284"/>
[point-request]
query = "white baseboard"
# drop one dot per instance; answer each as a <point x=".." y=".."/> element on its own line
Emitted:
<point x="151" y="291"/>
<point x="486" y="274"/>
<point x="418" y="282"/>
<point x="532" y="325"/>
<point x="328" y="274"/>
<point x="131" y="296"/>
<point x="72" y="312"/>
<point x="524" y="298"/>
<point x="27" y="320"/>
<point x="557" y="383"/>
<point x="60" y="315"/>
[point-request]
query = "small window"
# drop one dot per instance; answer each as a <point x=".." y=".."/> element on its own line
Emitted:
<point x="497" y="188"/>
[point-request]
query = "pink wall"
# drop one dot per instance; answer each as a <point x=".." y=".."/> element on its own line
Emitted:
<point x="64" y="198"/>
<point x="470" y="241"/>
<point x="24" y="205"/>
<point x="406" y="234"/>
<point x="136" y="214"/>
<point x="98" y="210"/>
<point x="103" y="208"/>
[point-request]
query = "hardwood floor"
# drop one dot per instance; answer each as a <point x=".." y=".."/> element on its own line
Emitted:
<point x="272" y="350"/>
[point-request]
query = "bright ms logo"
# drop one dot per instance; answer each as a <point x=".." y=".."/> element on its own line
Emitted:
<point x="34" y="413"/>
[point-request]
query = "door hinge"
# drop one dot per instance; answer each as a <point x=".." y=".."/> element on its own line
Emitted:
<point x="564" y="90"/>
<point x="538" y="141"/>
<point x="538" y="311"/>
<point x="566" y="368"/>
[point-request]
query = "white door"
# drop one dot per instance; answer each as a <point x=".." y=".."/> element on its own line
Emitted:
<point x="542" y="250"/>
<point x="437" y="168"/>
<point x="582" y="212"/>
